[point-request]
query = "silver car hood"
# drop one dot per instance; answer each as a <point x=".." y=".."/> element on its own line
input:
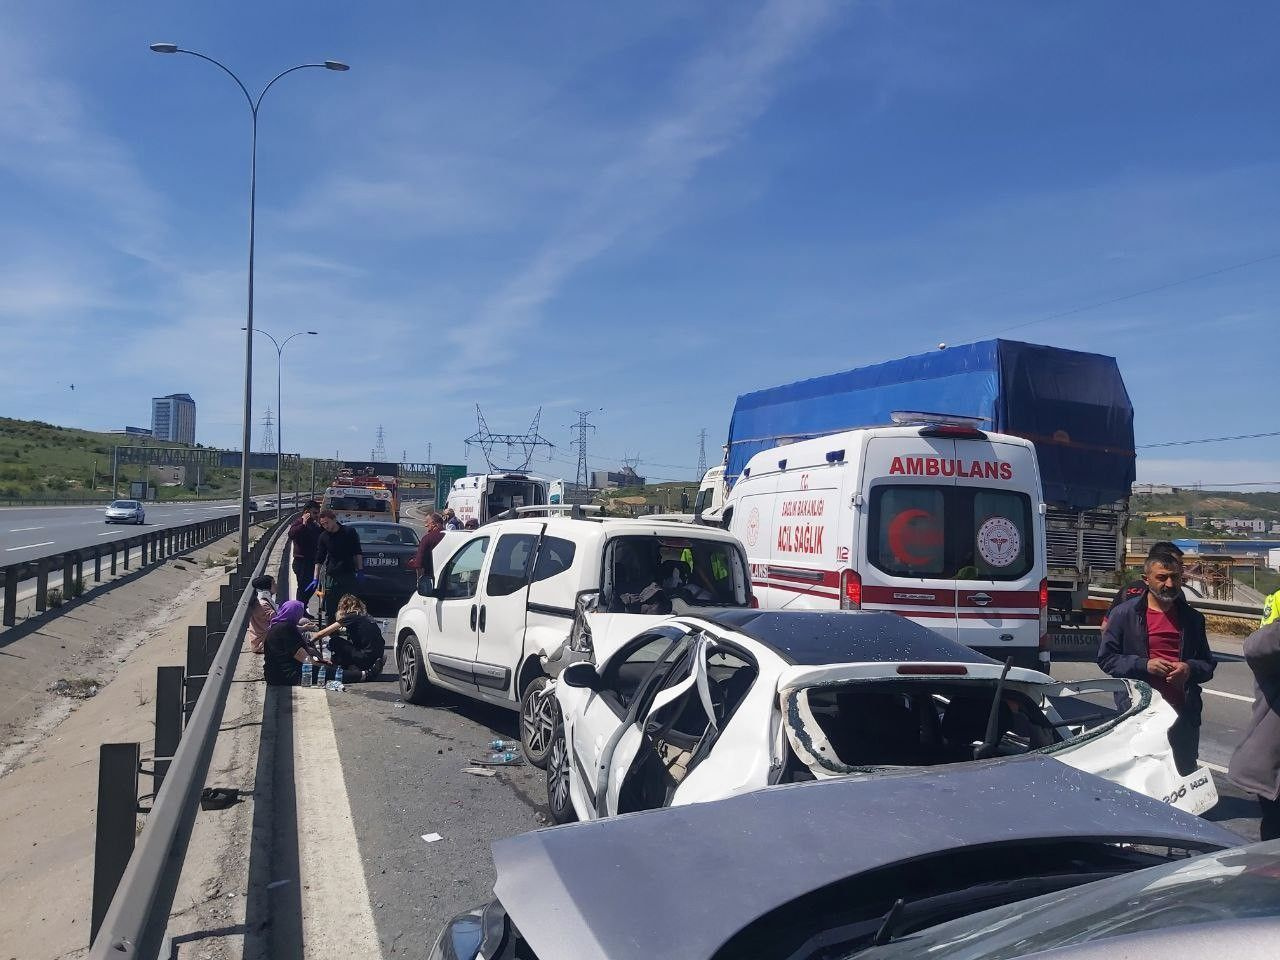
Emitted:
<point x="678" y="882"/>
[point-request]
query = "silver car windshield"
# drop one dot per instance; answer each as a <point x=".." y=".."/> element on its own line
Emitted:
<point x="1229" y="885"/>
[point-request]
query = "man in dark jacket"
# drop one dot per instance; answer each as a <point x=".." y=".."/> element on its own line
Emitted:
<point x="304" y="535"/>
<point x="339" y="561"/>
<point x="1161" y="548"/>
<point x="1159" y="638"/>
<point x="422" y="561"/>
<point x="1255" y="765"/>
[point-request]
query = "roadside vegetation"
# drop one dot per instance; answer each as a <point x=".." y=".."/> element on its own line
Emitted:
<point x="43" y="461"/>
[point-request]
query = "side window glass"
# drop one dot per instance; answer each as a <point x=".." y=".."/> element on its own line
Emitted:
<point x="509" y="570"/>
<point x="461" y="576"/>
<point x="626" y="676"/>
<point x="555" y="556"/>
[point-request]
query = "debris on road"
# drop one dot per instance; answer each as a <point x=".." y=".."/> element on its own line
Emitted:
<point x="80" y="688"/>
<point x="479" y="772"/>
<point x="431" y="837"/>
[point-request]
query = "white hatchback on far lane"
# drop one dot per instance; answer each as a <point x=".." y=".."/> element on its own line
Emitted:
<point x="126" y="511"/>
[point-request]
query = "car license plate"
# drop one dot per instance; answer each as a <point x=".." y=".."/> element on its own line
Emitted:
<point x="382" y="561"/>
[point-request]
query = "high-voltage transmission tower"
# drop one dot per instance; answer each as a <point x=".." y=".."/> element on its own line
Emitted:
<point x="583" y="479"/>
<point x="380" y="447"/>
<point x="528" y="442"/>
<point x="268" y="433"/>
<point x="702" y="453"/>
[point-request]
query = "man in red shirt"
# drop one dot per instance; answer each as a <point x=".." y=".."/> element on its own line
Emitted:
<point x="422" y="560"/>
<point x="1160" y="638"/>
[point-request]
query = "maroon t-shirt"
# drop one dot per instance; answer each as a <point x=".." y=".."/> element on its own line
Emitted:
<point x="1164" y="641"/>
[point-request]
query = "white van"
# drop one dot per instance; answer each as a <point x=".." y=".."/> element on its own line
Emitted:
<point x="939" y="522"/>
<point x="483" y="496"/>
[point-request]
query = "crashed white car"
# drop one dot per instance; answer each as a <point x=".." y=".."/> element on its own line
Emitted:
<point x="693" y="708"/>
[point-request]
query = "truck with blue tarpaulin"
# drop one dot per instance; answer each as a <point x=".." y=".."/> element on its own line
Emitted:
<point x="1072" y="406"/>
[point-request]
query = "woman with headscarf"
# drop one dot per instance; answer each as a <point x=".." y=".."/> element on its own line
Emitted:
<point x="286" y="646"/>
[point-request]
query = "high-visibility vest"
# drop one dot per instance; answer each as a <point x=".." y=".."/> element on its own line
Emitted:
<point x="1271" y="609"/>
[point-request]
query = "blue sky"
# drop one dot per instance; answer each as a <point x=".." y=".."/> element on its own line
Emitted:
<point x="646" y="208"/>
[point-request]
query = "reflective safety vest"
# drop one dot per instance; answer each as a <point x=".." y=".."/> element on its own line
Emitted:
<point x="1271" y="609"/>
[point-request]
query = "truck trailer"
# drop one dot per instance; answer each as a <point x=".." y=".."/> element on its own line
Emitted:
<point x="1072" y="406"/>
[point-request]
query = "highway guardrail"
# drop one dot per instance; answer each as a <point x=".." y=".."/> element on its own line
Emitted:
<point x="1222" y="607"/>
<point x="133" y="885"/>
<point x="155" y="545"/>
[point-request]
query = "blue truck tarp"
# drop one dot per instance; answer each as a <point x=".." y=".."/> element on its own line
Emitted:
<point x="1073" y="406"/>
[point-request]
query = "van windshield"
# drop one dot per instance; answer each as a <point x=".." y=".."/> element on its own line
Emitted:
<point x="950" y="533"/>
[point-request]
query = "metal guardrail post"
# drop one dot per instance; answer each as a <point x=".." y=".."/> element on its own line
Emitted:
<point x="197" y="660"/>
<point x="113" y="559"/>
<point x="10" y="600"/>
<point x="42" y="587"/>
<point x="125" y="551"/>
<point x="68" y="575"/>
<point x="115" y="830"/>
<point x="169" y="715"/>
<point x="97" y="565"/>
<point x="213" y="615"/>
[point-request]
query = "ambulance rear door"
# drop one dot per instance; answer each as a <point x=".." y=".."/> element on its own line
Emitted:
<point x="902" y="554"/>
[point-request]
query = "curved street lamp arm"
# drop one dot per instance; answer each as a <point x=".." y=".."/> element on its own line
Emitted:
<point x="278" y="345"/>
<point x="300" y="333"/>
<point x="301" y="66"/>
<point x="227" y="70"/>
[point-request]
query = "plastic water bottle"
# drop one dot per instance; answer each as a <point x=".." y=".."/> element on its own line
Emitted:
<point x="505" y="757"/>
<point x="323" y="670"/>
<point x="337" y="677"/>
<point x="501" y="745"/>
<point x="306" y="673"/>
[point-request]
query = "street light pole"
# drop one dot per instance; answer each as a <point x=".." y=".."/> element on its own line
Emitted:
<point x="246" y="434"/>
<point x="280" y="345"/>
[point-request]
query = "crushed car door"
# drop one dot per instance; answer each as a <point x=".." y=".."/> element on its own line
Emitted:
<point x="1119" y="730"/>
<point x="664" y="735"/>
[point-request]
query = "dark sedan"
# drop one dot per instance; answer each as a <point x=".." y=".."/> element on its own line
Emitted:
<point x="818" y="870"/>
<point x="387" y="548"/>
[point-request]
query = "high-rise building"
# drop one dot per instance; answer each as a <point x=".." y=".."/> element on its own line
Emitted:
<point x="174" y="418"/>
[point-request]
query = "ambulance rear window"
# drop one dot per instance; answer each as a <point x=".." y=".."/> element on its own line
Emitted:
<point x="950" y="533"/>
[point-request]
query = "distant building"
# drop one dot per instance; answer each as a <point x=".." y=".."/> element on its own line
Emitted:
<point x="1172" y="519"/>
<point x="1152" y="488"/>
<point x="134" y="432"/>
<point x="174" y="418"/>
<point x="612" y="480"/>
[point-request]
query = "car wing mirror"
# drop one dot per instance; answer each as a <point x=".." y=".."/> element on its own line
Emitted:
<point x="426" y="587"/>
<point x="581" y="675"/>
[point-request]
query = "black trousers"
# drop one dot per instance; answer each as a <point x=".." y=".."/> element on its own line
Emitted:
<point x="1270" y="826"/>
<point x="304" y="570"/>
<point x="1184" y="738"/>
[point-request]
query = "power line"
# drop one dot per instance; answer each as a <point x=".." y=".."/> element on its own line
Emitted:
<point x="1187" y="443"/>
<point x="1143" y="292"/>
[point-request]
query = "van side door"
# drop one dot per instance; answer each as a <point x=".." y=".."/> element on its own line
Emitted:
<point x="500" y="623"/>
<point x="451" y="645"/>
<point x="802" y="572"/>
<point x="751" y="521"/>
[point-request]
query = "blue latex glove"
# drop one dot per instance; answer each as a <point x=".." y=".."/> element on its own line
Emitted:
<point x="313" y="584"/>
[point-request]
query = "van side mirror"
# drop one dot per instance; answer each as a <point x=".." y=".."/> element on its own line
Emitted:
<point x="581" y="675"/>
<point x="426" y="587"/>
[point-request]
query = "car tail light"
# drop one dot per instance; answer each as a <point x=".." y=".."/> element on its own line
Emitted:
<point x="930" y="669"/>
<point x="850" y="590"/>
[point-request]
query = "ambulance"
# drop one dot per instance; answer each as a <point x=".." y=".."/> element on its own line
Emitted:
<point x="931" y="518"/>
<point x="485" y="496"/>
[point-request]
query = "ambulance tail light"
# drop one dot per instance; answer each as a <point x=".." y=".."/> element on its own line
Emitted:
<point x="850" y="590"/>
<point x="1042" y="655"/>
<point x="1044" y="594"/>
<point x="954" y="432"/>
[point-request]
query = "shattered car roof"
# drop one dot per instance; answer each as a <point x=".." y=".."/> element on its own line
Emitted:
<point x="573" y="891"/>
<point x="812" y="637"/>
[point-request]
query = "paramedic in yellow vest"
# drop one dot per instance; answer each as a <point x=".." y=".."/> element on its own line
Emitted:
<point x="1271" y="609"/>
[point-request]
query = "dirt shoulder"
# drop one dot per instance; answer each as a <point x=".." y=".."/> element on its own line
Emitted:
<point x="111" y="640"/>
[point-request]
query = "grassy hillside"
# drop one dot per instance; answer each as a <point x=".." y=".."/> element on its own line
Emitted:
<point x="43" y="460"/>
<point x="664" y="496"/>
<point x="1210" y="504"/>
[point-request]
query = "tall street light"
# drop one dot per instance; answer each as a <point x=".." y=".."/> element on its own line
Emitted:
<point x="279" y="345"/>
<point x="246" y="436"/>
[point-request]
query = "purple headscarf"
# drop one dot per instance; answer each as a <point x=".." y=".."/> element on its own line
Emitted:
<point x="291" y="611"/>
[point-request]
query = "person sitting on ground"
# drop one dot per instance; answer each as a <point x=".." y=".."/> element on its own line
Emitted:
<point x="286" y="646"/>
<point x="356" y="643"/>
<point x="261" y="610"/>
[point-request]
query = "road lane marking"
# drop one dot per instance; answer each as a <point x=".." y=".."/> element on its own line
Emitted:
<point x="29" y="546"/>
<point x="1229" y="696"/>
<point x="24" y="529"/>
<point x="337" y="920"/>
<point x="110" y="533"/>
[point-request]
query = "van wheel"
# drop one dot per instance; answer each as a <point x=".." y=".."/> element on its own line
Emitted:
<point x="414" y="687"/>
<point x="537" y="721"/>
<point x="558" y="801"/>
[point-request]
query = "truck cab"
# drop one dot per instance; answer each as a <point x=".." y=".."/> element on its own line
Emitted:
<point x="504" y="598"/>
<point x="485" y="496"/>
<point x="708" y="506"/>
